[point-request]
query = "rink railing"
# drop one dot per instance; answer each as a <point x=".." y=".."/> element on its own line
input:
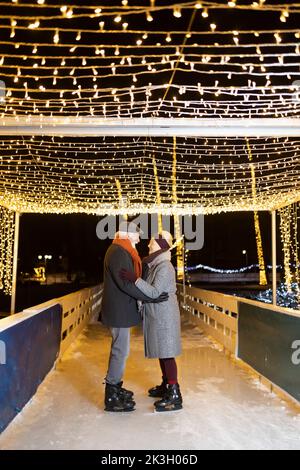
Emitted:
<point x="215" y="313"/>
<point x="32" y="341"/>
<point x="262" y="337"/>
<point x="78" y="309"/>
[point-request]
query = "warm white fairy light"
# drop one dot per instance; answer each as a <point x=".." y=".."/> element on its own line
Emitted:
<point x="109" y="10"/>
<point x="260" y="252"/>
<point x="224" y="74"/>
<point x="149" y="17"/>
<point x="98" y="11"/>
<point x="286" y="239"/>
<point x="7" y="226"/>
<point x="56" y="37"/>
<point x="284" y="15"/>
<point x="177" y="12"/>
<point x="296" y="245"/>
<point x="237" y="198"/>
<point x="34" y="25"/>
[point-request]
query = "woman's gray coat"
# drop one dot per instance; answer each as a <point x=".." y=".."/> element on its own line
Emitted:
<point x="161" y="321"/>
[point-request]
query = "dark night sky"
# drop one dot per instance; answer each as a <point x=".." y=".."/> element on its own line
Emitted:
<point x="74" y="236"/>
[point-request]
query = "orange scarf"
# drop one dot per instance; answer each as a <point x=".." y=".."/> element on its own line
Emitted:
<point x="137" y="263"/>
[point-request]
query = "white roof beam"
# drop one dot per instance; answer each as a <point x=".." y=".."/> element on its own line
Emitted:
<point x="156" y="127"/>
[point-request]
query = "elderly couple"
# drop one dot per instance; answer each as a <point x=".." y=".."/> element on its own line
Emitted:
<point x="136" y="291"/>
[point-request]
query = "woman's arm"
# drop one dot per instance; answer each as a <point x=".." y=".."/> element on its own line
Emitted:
<point x="120" y="260"/>
<point x="161" y="282"/>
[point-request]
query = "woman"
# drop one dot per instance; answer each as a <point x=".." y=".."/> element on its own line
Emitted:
<point x="161" y="321"/>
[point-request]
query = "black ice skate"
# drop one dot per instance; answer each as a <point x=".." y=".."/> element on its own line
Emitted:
<point x="172" y="401"/>
<point x="126" y="395"/>
<point x="114" y="401"/>
<point x="159" y="391"/>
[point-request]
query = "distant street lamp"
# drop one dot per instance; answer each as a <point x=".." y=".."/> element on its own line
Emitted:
<point x="245" y="253"/>
<point x="45" y="257"/>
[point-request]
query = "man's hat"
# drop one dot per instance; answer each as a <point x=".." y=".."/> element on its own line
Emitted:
<point x="130" y="227"/>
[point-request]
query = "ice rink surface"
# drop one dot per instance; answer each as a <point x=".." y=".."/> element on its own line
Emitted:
<point x="224" y="407"/>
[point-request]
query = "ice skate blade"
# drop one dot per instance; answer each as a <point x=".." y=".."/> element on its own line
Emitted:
<point x="168" y="409"/>
<point x="108" y="410"/>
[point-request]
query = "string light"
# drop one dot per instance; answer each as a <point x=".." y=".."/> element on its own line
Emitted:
<point x="67" y="11"/>
<point x="108" y="10"/>
<point x="56" y="37"/>
<point x="237" y="74"/>
<point x="34" y="25"/>
<point x="284" y="15"/>
<point x="296" y="246"/>
<point x="262" y="269"/>
<point x="289" y="238"/>
<point x="211" y="269"/>
<point x="221" y="196"/>
<point x="121" y="198"/>
<point x="158" y="196"/>
<point x="7" y="227"/>
<point x="149" y="17"/>
<point x="177" y="12"/>
<point x="178" y="234"/>
<point x="285" y="298"/>
<point x="286" y="239"/>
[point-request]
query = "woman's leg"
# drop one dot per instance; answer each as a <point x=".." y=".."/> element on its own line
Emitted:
<point x="159" y="390"/>
<point x="163" y="370"/>
<point x="170" y="367"/>
<point x="172" y="400"/>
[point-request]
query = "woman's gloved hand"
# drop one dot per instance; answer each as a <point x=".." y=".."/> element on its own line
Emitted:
<point x="128" y="275"/>
<point x="162" y="298"/>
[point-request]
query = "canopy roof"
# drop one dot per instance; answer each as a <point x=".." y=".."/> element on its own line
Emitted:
<point x="92" y="96"/>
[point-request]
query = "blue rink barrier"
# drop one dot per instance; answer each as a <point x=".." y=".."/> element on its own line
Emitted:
<point x="29" y="347"/>
<point x="269" y="341"/>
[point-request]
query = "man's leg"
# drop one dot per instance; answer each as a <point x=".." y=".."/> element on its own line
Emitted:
<point x="119" y="353"/>
<point x="116" y="398"/>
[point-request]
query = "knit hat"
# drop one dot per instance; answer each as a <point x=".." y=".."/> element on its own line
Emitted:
<point x="164" y="240"/>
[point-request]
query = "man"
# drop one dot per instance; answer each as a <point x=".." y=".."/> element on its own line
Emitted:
<point x="120" y="311"/>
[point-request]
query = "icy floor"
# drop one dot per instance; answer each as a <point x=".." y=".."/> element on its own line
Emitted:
<point x="224" y="408"/>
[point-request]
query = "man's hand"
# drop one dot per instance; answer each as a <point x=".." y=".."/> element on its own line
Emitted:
<point x="128" y="275"/>
<point x="162" y="298"/>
